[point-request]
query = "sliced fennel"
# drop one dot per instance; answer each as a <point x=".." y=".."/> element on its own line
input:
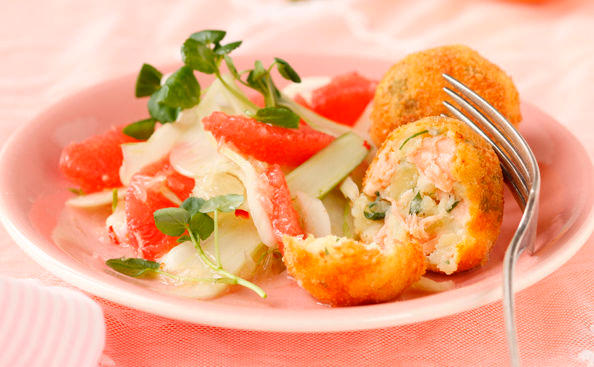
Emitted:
<point x="219" y="183"/>
<point x="116" y="222"/>
<point x="316" y="220"/>
<point x="240" y="240"/>
<point x="340" y="221"/>
<point x="187" y="131"/>
<point x="197" y="152"/>
<point x="251" y="181"/>
<point x="306" y="87"/>
<point x="429" y="285"/>
<point x="349" y="189"/>
<point x="322" y="172"/>
<point x="138" y="155"/>
<point x="96" y="199"/>
<point x="197" y="155"/>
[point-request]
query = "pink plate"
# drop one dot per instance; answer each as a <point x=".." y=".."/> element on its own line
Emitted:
<point x="33" y="195"/>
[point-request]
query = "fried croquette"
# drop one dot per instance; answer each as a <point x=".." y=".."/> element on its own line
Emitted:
<point x="344" y="272"/>
<point x="437" y="183"/>
<point x="412" y="88"/>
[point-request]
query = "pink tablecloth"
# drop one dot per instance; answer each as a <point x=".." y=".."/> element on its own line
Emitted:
<point x="51" y="49"/>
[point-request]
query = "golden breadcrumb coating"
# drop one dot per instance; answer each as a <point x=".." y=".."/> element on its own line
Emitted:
<point x="412" y="88"/>
<point x="477" y="185"/>
<point x="344" y="272"/>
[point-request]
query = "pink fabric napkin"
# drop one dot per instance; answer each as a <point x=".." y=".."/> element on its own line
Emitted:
<point x="48" y="326"/>
<point x="52" y="49"/>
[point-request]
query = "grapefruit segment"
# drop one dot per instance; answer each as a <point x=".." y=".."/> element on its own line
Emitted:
<point x="283" y="216"/>
<point x="150" y="189"/>
<point x="343" y="99"/>
<point x="271" y="144"/>
<point x="94" y="163"/>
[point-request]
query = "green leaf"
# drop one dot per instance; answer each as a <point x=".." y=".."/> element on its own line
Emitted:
<point x="201" y="225"/>
<point x="416" y="204"/>
<point x="256" y="76"/>
<point x="192" y="205"/>
<point x="76" y="191"/>
<point x="259" y="71"/>
<point x="208" y="36"/>
<point x="148" y="81"/>
<point x="141" y="130"/>
<point x="412" y="136"/>
<point x="133" y="267"/>
<point x="226" y="49"/>
<point x="183" y="239"/>
<point x="377" y="209"/>
<point x="114" y="200"/>
<point x="454" y="204"/>
<point x="231" y="67"/>
<point x="181" y="89"/>
<point x="279" y="116"/>
<point x="160" y="111"/>
<point x="199" y="57"/>
<point x="172" y="221"/>
<point x="287" y="71"/>
<point x="222" y="203"/>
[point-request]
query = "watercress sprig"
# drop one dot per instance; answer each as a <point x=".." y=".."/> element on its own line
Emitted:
<point x="191" y="220"/>
<point x="203" y="52"/>
<point x="179" y="91"/>
<point x="141" y="268"/>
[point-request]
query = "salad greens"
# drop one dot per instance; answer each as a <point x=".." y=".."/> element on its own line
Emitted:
<point x="148" y="81"/>
<point x="191" y="221"/>
<point x="141" y="130"/>
<point x="76" y="191"/>
<point x="141" y="268"/>
<point x="114" y="200"/>
<point x="204" y="52"/>
<point x="196" y="219"/>
<point x="134" y="267"/>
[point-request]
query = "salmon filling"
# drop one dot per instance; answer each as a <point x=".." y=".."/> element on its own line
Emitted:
<point x="412" y="196"/>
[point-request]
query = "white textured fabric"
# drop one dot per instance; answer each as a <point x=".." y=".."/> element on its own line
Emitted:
<point x="48" y="326"/>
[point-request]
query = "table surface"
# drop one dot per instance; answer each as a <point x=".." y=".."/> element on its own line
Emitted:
<point x="52" y="49"/>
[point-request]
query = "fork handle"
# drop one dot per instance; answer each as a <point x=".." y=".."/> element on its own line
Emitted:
<point x="524" y="238"/>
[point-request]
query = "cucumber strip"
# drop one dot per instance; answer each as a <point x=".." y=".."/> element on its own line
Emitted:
<point x="322" y="172"/>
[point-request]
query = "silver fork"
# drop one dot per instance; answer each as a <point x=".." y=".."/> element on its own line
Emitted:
<point x="521" y="172"/>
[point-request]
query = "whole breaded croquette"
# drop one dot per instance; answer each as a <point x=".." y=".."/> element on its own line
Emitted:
<point x="444" y="185"/>
<point x="344" y="272"/>
<point x="412" y="88"/>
